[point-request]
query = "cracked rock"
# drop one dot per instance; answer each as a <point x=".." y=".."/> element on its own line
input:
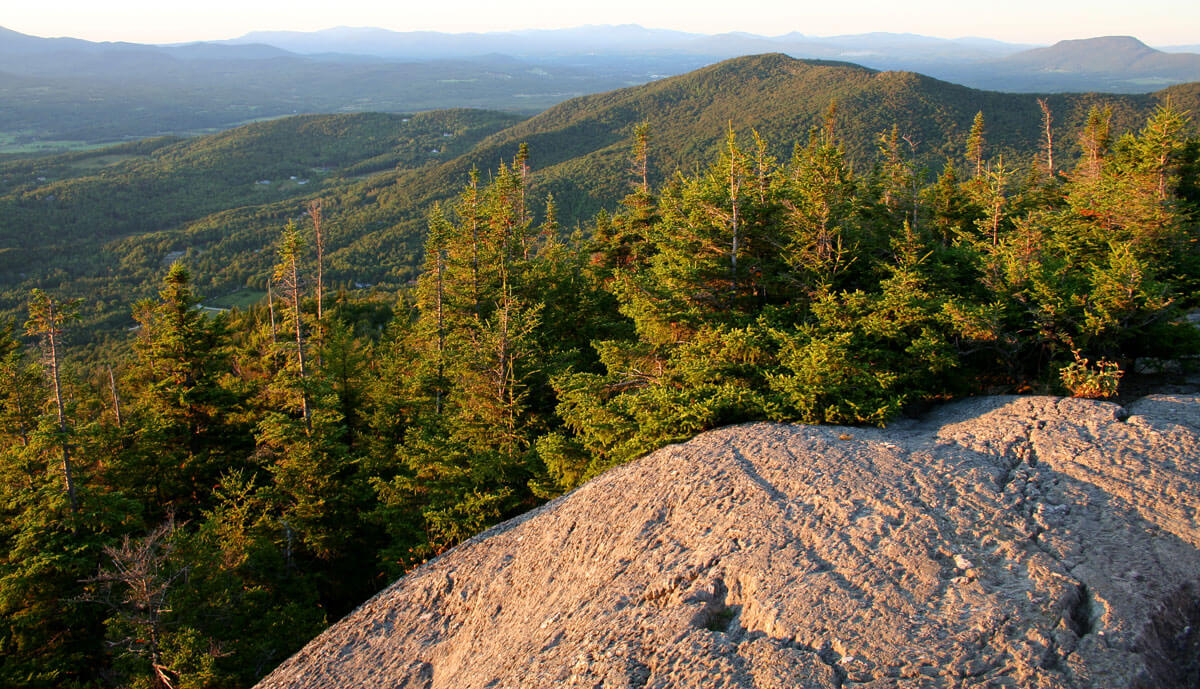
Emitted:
<point x="999" y="542"/>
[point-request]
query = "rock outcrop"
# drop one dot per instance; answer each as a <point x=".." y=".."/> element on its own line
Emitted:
<point x="999" y="542"/>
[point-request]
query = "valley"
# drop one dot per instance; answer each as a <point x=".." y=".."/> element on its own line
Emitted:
<point x="250" y="378"/>
<point x="107" y="218"/>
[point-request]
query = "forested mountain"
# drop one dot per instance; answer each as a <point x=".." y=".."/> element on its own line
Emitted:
<point x="58" y="93"/>
<point x="67" y="92"/>
<point x="1110" y="63"/>
<point x="779" y="96"/>
<point x="186" y="502"/>
<point x="107" y="219"/>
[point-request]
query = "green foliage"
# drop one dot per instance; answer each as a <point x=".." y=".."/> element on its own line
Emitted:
<point x="109" y="220"/>
<point x="1081" y="378"/>
<point x="260" y="472"/>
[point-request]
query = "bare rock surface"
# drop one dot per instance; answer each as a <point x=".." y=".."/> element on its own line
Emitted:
<point x="999" y="542"/>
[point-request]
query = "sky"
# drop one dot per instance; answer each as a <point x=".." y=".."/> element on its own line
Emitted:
<point x="1156" y="22"/>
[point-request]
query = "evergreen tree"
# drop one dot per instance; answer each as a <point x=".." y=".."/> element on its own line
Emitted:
<point x="180" y="406"/>
<point x="47" y="319"/>
<point x="975" y="143"/>
<point x="288" y="275"/>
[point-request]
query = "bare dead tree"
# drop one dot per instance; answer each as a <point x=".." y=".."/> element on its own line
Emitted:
<point x="46" y="320"/>
<point x="1048" y="140"/>
<point x="136" y="587"/>
<point x="314" y="211"/>
<point x="271" y="310"/>
<point x="116" y="397"/>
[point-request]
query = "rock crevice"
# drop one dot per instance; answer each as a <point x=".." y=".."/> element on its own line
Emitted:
<point x="999" y="542"/>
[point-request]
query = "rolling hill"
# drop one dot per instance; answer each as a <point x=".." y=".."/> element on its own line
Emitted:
<point x="580" y="148"/>
<point x="56" y="93"/>
<point x="69" y="220"/>
<point x="107" y="230"/>
<point x="1109" y="63"/>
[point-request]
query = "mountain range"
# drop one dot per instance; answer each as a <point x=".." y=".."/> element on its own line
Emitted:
<point x="65" y="92"/>
<point x="623" y="39"/>
<point x="1113" y="63"/>
<point x="106" y="219"/>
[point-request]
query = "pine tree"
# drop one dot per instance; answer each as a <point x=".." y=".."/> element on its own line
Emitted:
<point x="975" y="143"/>
<point x="288" y="275"/>
<point x="180" y="407"/>
<point x="47" y="320"/>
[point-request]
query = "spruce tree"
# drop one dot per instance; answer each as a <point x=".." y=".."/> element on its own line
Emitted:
<point x="47" y="320"/>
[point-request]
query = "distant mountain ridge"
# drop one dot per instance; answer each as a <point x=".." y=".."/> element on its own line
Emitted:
<point x="14" y="44"/>
<point x="625" y="39"/>
<point x="579" y="152"/>
<point x="1113" y="63"/>
<point x="1120" y="64"/>
<point x="1106" y="54"/>
<point x="57" y="92"/>
<point x="72" y="91"/>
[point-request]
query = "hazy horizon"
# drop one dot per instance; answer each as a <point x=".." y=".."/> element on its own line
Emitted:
<point x="1159" y="22"/>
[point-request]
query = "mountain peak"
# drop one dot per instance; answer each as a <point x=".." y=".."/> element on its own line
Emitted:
<point x="1103" y="53"/>
<point x="1105" y="41"/>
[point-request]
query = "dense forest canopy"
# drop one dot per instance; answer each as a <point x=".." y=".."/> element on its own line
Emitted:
<point x="107" y="222"/>
<point x="191" y="512"/>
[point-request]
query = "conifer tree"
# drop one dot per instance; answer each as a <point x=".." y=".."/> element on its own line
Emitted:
<point x="822" y="224"/>
<point x="954" y="214"/>
<point x="621" y="243"/>
<point x="432" y="301"/>
<point x="47" y="320"/>
<point x="897" y="178"/>
<point x="975" y="143"/>
<point x="1094" y="142"/>
<point x="288" y="275"/>
<point x="184" y="438"/>
<point x="20" y="391"/>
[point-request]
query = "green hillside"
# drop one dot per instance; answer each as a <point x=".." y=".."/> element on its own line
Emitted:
<point x="579" y="149"/>
<point x="782" y="98"/>
<point x="191" y="496"/>
<point x="106" y="220"/>
<point x="67" y="222"/>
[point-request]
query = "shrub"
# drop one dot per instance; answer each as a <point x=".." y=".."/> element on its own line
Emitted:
<point x="1081" y="378"/>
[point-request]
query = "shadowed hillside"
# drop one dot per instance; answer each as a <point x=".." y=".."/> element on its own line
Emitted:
<point x="579" y="153"/>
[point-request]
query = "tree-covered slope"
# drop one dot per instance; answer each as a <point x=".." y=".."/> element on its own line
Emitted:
<point x="199" y="197"/>
<point x="67" y="221"/>
<point x="579" y="148"/>
<point x="189" y="505"/>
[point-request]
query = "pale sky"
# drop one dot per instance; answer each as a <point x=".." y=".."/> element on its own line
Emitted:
<point x="1157" y="22"/>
